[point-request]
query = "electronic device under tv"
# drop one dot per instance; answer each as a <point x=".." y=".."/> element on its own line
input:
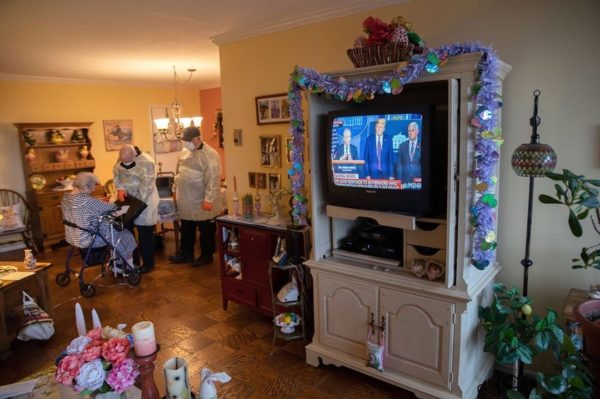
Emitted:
<point x="392" y="177"/>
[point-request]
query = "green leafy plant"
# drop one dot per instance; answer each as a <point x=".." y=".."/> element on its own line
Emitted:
<point x="513" y="333"/>
<point x="580" y="196"/>
<point x="247" y="199"/>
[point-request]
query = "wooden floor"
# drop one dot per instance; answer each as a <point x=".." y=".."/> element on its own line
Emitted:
<point x="185" y="305"/>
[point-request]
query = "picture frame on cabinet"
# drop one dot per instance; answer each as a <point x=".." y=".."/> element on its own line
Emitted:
<point x="117" y="133"/>
<point x="273" y="108"/>
<point x="252" y="179"/>
<point x="270" y="151"/>
<point x="261" y="180"/>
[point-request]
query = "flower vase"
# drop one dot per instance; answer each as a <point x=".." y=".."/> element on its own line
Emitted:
<point x="236" y="205"/>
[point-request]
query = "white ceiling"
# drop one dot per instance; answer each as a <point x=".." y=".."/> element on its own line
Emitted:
<point x="135" y="41"/>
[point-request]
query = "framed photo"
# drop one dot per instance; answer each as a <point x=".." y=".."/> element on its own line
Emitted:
<point x="270" y="151"/>
<point x="288" y="150"/>
<point x="261" y="180"/>
<point x="274" y="181"/>
<point x="117" y="133"/>
<point x="274" y="108"/>
<point x="252" y="179"/>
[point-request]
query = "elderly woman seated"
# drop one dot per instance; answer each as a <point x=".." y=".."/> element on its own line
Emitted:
<point x="82" y="209"/>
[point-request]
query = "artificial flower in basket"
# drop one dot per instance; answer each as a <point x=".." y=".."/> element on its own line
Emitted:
<point x="385" y="43"/>
<point x="97" y="363"/>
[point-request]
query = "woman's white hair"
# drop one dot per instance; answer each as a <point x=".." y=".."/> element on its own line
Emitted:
<point x="85" y="181"/>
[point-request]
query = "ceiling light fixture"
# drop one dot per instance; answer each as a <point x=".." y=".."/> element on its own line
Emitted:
<point x="170" y="128"/>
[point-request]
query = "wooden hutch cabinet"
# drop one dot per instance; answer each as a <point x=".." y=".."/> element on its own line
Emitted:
<point x="51" y="152"/>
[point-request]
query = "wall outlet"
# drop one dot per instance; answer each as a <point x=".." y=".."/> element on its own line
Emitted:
<point x="237" y="137"/>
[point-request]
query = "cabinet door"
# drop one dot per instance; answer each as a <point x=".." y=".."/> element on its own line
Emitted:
<point x="51" y="217"/>
<point x="345" y="308"/>
<point x="419" y="333"/>
<point x="256" y="250"/>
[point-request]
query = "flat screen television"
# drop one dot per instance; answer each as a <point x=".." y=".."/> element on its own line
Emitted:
<point x="390" y="155"/>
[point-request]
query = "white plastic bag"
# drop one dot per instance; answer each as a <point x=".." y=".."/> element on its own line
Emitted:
<point x="38" y="324"/>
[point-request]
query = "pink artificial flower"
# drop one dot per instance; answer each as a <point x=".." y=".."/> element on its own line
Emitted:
<point x="121" y="377"/>
<point x="115" y="350"/>
<point x="95" y="334"/>
<point x="68" y="368"/>
<point x="92" y="351"/>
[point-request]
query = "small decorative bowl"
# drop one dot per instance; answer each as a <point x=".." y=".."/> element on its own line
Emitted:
<point x="287" y="322"/>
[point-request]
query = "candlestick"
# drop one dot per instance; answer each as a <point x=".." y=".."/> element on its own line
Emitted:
<point x="234" y="184"/>
<point x="144" y="341"/>
<point x="79" y="320"/>
<point x="146" y="368"/>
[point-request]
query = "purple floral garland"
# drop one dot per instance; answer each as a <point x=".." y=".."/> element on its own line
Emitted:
<point x="488" y="134"/>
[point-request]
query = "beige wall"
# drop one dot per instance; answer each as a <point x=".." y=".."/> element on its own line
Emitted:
<point x="67" y="102"/>
<point x="551" y="45"/>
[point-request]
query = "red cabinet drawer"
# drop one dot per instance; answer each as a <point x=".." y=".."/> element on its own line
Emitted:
<point x="239" y="292"/>
<point x="256" y="242"/>
<point x="256" y="270"/>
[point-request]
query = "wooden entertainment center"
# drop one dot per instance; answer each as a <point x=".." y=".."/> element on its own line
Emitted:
<point x="433" y="342"/>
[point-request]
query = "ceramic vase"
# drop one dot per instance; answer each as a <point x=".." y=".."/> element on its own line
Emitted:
<point x="177" y="379"/>
<point x="61" y="155"/>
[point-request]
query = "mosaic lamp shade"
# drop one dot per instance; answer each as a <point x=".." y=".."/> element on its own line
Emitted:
<point x="533" y="160"/>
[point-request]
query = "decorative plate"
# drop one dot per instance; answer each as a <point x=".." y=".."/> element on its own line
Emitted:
<point x="37" y="181"/>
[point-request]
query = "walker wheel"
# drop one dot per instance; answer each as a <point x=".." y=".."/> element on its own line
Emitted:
<point x="134" y="278"/>
<point x="88" y="290"/>
<point x="63" y="279"/>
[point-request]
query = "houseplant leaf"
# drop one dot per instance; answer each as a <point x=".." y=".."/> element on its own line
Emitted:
<point x="574" y="224"/>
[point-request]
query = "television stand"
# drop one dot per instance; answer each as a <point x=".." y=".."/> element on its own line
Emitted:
<point x="433" y="340"/>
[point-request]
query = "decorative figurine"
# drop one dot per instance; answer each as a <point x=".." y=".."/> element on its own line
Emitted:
<point x="236" y="205"/>
<point x="257" y="203"/>
<point x="61" y="155"/>
<point x="84" y="152"/>
<point x="207" y="386"/>
<point x="28" y="138"/>
<point x="54" y="136"/>
<point x="77" y="136"/>
<point x="30" y="155"/>
<point x="29" y="261"/>
<point x="274" y="197"/>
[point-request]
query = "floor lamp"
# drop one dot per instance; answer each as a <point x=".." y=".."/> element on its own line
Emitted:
<point x="532" y="160"/>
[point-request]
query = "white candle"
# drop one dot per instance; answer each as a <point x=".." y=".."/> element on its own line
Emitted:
<point x="144" y="341"/>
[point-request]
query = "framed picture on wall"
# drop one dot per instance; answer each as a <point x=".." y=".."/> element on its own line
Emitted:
<point x="261" y="180"/>
<point x="274" y="108"/>
<point x="274" y="181"/>
<point x="270" y="151"/>
<point x="117" y="133"/>
<point x="252" y="179"/>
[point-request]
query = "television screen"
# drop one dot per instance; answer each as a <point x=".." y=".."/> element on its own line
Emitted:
<point x="389" y="154"/>
<point x="379" y="151"/>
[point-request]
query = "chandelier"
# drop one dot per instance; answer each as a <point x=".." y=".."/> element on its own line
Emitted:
<point x="170" y="128"/>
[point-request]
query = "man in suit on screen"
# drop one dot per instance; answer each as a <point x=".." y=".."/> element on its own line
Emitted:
<point x="378" y="154"/>
<point x="346" y="151"/>
<point x="408" y="162"/>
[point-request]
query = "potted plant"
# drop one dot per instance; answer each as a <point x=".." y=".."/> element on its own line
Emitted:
<point x="513" y="333"/>
<point x="580" y="196"/>
<point x="247" y="209"/>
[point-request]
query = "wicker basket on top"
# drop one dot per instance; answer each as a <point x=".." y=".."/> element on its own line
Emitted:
<point x="382" y="54"/>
